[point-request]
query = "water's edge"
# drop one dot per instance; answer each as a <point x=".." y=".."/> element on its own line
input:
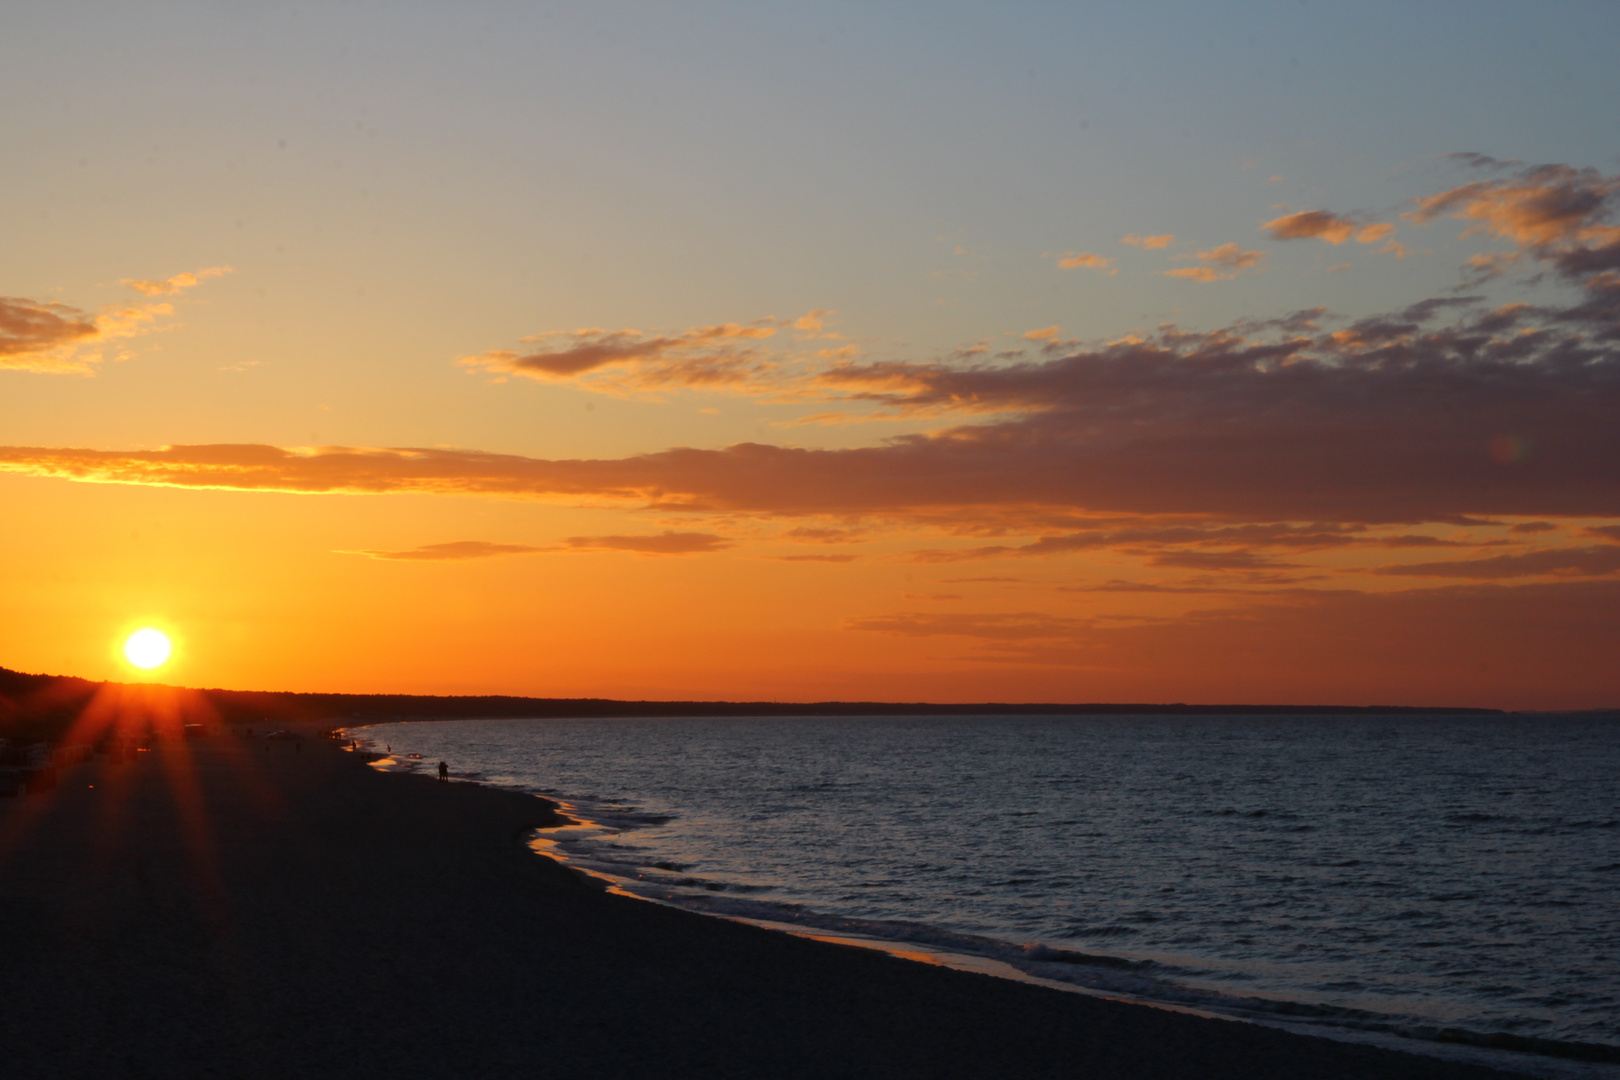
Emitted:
<point x="1141" y="982"/>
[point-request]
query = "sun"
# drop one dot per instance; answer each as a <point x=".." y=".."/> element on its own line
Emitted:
<point x="147" y="648"/>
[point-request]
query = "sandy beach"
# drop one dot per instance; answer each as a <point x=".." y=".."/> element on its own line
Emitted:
<point x="242" y="908"/>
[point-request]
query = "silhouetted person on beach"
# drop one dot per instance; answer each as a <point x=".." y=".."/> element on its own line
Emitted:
<point x="444" y="771"/>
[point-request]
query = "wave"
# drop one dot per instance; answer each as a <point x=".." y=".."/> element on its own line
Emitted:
<point x="601" y="840"/>
<point x="585" y="846"/>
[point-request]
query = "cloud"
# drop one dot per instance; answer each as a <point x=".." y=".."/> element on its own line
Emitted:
<point x="1540" y="207"/>
<point x="1555" y="214"/>
<point x="1078" y="260"/>
<point x="813" y="321"/>
<point x="1310" y="537"/>
<point x="177" y="284"/>
<point x="665" y="543"/>
<point x="1149" y="243"/>
<point x="459" y="549"/>
<point x="816" y="558"/>
<point x="1390" y="420"/>
<point x="1120" y="586"/>
<point x="812" y="535"/>
<point x="1325" y="225"/>
<point x="1219" y="560"/>
<point x="1528" y="646"/>
<point x="1489" y="265"/>
<point x="1445" y="409"/>
<point x="51" y="337"/>
<point x="32" y="332"/>
<point x="1483" y="161"/>
<point x="702" y="354"/>
<point x="1019" y="626"/>
<point x="731" y="357"/>
<point x="1220" y="264"/>
<point x="1587" y="561"/>
<point x="1047" y="333"/>
<point x="46" y="336"/>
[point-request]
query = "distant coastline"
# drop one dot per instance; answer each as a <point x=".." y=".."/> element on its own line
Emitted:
<point x="42" y="706"/>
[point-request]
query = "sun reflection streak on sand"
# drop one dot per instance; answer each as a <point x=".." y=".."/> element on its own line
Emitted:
<point x="154" y="720"/>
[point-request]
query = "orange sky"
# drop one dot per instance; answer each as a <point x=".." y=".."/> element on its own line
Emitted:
<point x="554" y="387"/>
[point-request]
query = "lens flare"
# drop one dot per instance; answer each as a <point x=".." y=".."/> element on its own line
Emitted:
<point x="1510" y="449"/>
<point x="147" y="648"/>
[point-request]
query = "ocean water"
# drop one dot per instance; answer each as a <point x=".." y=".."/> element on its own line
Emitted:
<point x="1400" y="874"/>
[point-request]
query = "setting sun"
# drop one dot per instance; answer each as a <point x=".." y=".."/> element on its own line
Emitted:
<point x="147" y="648"/>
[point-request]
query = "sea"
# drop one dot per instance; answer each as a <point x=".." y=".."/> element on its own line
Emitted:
<point x="1437" y="882"/>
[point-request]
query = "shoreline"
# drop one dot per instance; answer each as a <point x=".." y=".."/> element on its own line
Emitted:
<point x="1547" y="1058"/>
<point x="223" y="907"/>
<point x="1149" y="982"/>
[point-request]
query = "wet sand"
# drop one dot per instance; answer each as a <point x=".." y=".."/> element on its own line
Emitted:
<point x="219" y="909"/>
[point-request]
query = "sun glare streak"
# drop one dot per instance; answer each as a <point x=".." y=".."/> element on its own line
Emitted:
<point x="147" y="648"/>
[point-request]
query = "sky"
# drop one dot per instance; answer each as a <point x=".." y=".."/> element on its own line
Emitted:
<point x="1151" y="352"/>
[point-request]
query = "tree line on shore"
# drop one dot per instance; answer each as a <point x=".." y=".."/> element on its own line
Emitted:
<point x="42" y="708"/>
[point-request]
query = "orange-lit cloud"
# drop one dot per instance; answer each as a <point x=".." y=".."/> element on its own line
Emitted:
<point x="1557" y="215"/>
<point x="664" y="543"/>
<point x="33" y="331"/>
<point x="1391" y="418"/>
<point x="1149" y="243"/>
<point x="1156" y="540"/>
<point x="177" y="284"/>
<point x="729" y="357"/>
<point x="46" y="336"/>
<point x="1085" y="260"/>
<point x="816" y="558"/>
<point x="811" y="535"/>
<point x="1585" y="561"/>
<point x="702" y="354"/>
<point x="456" y="550"/>
<point x="1220" y="264"/>
<point x="1368" y="648"/>
<point x="1010" y="626"/>
<point x="1540" y="207"/>
<point x="1219" y="560"/>
<point x="1325" y="225"/>
<point x="812" y="322"/>
<point x="1488" y="265"/>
